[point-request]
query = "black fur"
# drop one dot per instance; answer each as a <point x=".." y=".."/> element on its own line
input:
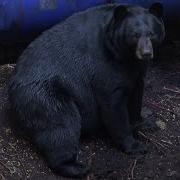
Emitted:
<point x="78" y="76"/>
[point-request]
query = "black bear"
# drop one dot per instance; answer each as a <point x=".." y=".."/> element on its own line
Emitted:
<point x="82" y="74"/>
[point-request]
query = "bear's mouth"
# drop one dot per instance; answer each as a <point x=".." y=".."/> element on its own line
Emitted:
<point x="145" y="56"/>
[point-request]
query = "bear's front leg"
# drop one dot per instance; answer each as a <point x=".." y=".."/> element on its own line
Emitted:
<point x="115" y="116"/>
<point x="135" y="106"/>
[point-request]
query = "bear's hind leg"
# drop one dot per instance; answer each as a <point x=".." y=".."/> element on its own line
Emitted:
<point x="60" y="148"/>
<point x="59" y="141"/>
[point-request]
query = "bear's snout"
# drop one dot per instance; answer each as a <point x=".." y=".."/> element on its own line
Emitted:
<point x="144" y="50"/>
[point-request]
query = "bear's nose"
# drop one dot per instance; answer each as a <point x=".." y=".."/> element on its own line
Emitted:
<point x="147" y="55"/>
<point x="144" y="49"/>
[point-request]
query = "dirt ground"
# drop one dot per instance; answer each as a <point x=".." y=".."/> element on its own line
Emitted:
<point x="19" y="160"/>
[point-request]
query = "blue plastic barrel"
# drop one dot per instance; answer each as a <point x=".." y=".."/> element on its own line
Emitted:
<point x="24" y="19"/>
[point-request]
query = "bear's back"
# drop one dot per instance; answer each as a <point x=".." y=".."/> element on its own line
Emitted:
<point x="69" y="49"/>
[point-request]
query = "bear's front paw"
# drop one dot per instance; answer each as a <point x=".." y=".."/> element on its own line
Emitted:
<point x="147" y="125"/>
<point x="132" y="146"/>
<point x="74" y="170"/>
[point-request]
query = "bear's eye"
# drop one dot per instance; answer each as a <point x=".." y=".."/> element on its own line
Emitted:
<point x="136" y="35"/>
<point x="150" y="34"/>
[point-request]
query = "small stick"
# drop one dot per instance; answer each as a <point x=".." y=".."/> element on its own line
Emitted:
<point x="153" y="141"/>
<point x="168" y="142"/>
<point x="4" y="165"/>
<point x="157" y="106"/>
<point x="128" y="170"/>
<point x="90" y="157"/>
<point x="2" y="177"/>
<point x="172" y="90"/>
<point x="10" y="66"/>
<point x="161" y="140"/>
<point x="132" y="170"/>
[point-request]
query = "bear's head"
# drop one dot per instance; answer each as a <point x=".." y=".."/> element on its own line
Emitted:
<point x="137" y="30"/>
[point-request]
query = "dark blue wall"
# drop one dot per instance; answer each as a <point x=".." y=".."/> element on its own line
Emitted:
<point x="23" y="19"/>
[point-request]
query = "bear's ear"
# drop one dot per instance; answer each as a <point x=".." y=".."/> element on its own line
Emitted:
<point x="120" y="12"/>
<point x="157" y="10"/>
